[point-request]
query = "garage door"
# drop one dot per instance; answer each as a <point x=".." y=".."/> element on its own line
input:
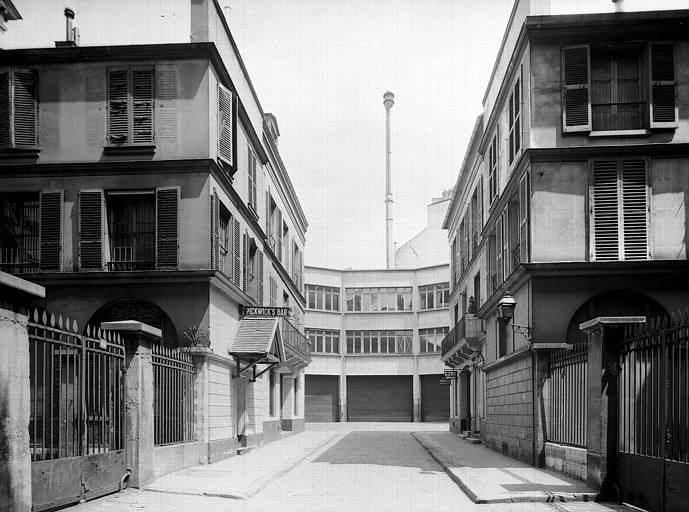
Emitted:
<point x="379" y="398"/>
<point x="321" y="397"/>
<point x="435" y="399"/>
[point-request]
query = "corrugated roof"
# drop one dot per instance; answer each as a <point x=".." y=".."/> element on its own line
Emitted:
<point x="254" y="335"/>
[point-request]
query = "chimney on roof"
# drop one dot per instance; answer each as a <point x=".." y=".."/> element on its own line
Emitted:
<point x="71" y="33"/>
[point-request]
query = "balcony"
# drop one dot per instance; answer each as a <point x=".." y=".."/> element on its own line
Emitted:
<point x="297" y="347"/>
<point x="463" y="343"/>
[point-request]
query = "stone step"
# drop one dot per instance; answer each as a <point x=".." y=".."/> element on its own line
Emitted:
<point x="245" y="449"/>
<point x="473" y="440"/>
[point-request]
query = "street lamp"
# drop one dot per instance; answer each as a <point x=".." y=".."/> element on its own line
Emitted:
<point x="506" y="313"/>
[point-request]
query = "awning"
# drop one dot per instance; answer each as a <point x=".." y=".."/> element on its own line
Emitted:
<point x="258" y="342"/>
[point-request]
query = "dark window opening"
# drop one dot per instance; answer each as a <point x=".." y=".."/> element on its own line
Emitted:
<point x="19" y="233"/>
<point x="131" y="225"/>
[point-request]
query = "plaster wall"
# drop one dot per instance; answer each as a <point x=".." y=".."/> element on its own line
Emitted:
<point x="324" y="365"/>
<point x="222" y="400"/>
<point x="375" y="321"/>
<point x="379" y="365"/>
<point x="224" y="321"/>
<point x="320" y="320"/>
<point x="429" y="364"/>
<point x="433" y="318"/>
<point x="669" y="227"/>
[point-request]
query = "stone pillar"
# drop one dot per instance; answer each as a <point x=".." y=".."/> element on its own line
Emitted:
<point x="139" y="392"/>
<point x="604" y="334"/>
<point x="416" y="394"/>
<point x="15" y="393"/>
<point x="200" y="357"/>
<point x="287" y="401"/>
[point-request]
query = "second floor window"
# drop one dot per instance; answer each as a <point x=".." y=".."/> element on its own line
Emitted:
<point x="132" y="230"/>
<point x="251" y="171"/>
<point x="431" y="339"/>
<point x="18" y="108"/>
<point x="514" y="109"/>
<point x="493" y="169"/>
<point x="379" y="342"/>
<point x="434" y="296"/>
<point x="324" y="298"/>
<point x="379" y="299"/>
<point x="324" y="341"/>
<point x="130" y="105"/>
<point x="19" y="232"/>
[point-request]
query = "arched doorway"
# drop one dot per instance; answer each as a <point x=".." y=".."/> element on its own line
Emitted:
<point x="141" y="310"/>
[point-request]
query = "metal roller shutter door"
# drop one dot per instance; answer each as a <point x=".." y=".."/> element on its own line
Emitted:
<point x="321" y="397"/>
<point x="435" y="399"/>
<point x="380" y="398"/>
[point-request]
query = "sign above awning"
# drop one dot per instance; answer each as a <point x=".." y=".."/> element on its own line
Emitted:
<point x="263" y="311"/>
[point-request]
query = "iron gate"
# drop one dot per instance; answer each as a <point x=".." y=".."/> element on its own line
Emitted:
<point x="653" y="415"/>
<point x="76" y="427"/>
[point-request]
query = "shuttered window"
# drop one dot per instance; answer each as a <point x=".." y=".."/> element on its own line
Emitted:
<point x="236" y="253"/>
<point x="514" y="110"/>
<point x="51" y="230"/>
<point x="576" y="104"/>
<point x="493" y="169"/>
<point x="167" y="219"/>
<point x="130" y="105"/>
<point x="258" y="262"/>
<point x="18" y="108"/>
<point x="91" y="230"/>
<point x="663" y="86"/>
<point x="225" y="125"/>
<point x="215" y="230"/>
<point x="524" y="220"/>
<point x="251" y="184"/>
<point x="619" y="209"/>
<point x="19" y="233"/>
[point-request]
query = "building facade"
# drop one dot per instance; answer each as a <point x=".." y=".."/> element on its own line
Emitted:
<point x="140" y="180"/>
<point x="571" y="201"/>
<point x="375" y="335"/>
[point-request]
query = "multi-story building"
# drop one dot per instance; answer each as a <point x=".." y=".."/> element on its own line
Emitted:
<point x="571" y="203"/>
<point x="375" y="335"/>
<point x="140" y="180"/>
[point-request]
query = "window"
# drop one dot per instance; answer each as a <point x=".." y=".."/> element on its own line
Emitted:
<point x="607" y="87"/>
<point x="224" y="239"/>
<point x="253" y="270"/>
<point x="379" y="342"/>
<point x="493" y="169"/>
<point x="130" y="105"/>
<point x="477" y="291"/>
<point x="324" y="341"/>
<point x="252" y="181"/>
<point x="132" y="230"/>
<point x="225" y="125"/>
<point x="431" y="339"/>
<point x="379" y="299"/>
<point x="514" y="108"/>
<point x="273" y="291"/>
<point x="324" y="298"/>
<point x="19" y="232"/>
<point x="274" y="228"/>
<point x="297" y="266"/>
<point x="492" y="263"/>
<point x="434" y="296"/>
<point x="620" y="209"/>
<point x="454" y="258"/>
<point x="18" y="108"/>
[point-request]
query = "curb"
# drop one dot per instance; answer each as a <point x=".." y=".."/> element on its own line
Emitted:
<point x="541" y="497"/>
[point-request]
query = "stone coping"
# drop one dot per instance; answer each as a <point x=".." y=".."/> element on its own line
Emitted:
<point x="17" y="284"/>
<point x="612" y="320"/>
<point x="131" y="326"/>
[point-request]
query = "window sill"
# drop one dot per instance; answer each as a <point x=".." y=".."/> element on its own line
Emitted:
<point x="20" y="152"/>
<point x="380" y="354"/>
<point x="129" y="149"/>
<point x="620" y="133"/>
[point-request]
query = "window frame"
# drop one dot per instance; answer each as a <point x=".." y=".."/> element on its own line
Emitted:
<point x="514" y="124"/>
<point x="252" y="185"/>
<point x="130" y="107"/>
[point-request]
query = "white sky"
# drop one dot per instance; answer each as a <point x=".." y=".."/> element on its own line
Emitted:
<point x="322" y="66"/>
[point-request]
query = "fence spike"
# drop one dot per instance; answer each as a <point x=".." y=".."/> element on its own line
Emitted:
<point x="52" y="320"/>
<point x="75" y="326"/>
<point x="35" y="315"/>
<point x="44" y="318"/>
<point x="59" y="321"/>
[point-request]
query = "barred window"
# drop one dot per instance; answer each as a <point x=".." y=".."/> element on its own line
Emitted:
<point x="431" y="339"/>
<point x="379" y="299"/>
<point x="435" y="296"/>
<point x="324" y="298"/>
<point x="19" y="232"/>
<point x="324" y="341"/>
<point x="379" y="342"/>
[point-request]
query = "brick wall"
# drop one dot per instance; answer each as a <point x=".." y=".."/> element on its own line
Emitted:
<point x="508" y="426"/>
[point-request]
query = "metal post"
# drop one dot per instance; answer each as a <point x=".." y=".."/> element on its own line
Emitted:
<point x="388" y="101"/>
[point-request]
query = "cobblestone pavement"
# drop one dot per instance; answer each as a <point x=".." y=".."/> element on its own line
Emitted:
<point x="374" y="467"/>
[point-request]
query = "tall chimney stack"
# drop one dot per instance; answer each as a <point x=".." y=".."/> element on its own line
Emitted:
<point x="388" y="101"/>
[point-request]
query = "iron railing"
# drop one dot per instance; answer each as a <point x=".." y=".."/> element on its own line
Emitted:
<point x="294" y="338"/>
<point x="568" y="373"/>
<point x="468" y="327"/>
<point x="173" y="399"/>
<point x="77" y="393"/>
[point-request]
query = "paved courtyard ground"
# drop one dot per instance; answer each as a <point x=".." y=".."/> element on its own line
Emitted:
<point x="366" y="467"/>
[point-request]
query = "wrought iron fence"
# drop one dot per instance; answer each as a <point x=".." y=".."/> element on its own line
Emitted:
<point x="453" y="337"/>
<point x="568" y="370"/>
<point x="173" y="399"/>
<point x="293" y="337"/>
<point x="76" y="384"/>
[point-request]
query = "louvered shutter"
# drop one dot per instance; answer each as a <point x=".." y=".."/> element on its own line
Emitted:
<point x="118" y="106"/>
<point x="268" y="226"/>
<point x="259" y="288"/>
<point x="91" y="230"/>
<point x="287" y="253"/>
<point x="51" y="230"/>
<point x="663" y="105"/>
<point x="524" y="220"/>
<point x="278" y="235"/>
<point x="576" y="102"/>
<point x="245" y="261"/>
<point x="165" y="105"/>
<point x="634" y="209"/>
<point x="142" y="106"/>
<point x="225" y="125"/>
<point x="5" y="128"/>
<point x="236" y="253"/>
<point x="498" y="251"/>
<point x="506" y="256"/>
<point x="605" y="206"/>
<point x="214" y="224"/>
<point x="479" y="213"/>
<point x="25" y="107"/>
<point x="167" y="206"/>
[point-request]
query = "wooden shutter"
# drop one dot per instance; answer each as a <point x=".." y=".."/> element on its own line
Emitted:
<point x="214" y="225"/>
<point x="165" y="105"/>
<point x="167" y="207"/>
<point x="663" y="105"/>
<point x="96" y="106"/>
<point x="506" y="256"/>
<point x="5" y="127"/>
<point x="498" y="251"/>
<point x="278" y="237"/>
<point x="245" y="261"/>
<point x="576" y="86"/>
<point x="236" y="253"/>
<point x="25" y="107"/>
<point x="142" y="106"/>
<point x="524" y="219"/>
<point x="605" y="210"/>
<point x="51" y="230"/>
<point x="259" y="272"/>
<point x="91" y="230"/>
<point x="118" y="106"/>
<point x="225" y="125"/>
<point x="268" y="223"/>
<point x="479" y="213"/>
<point x="634" y="209"/>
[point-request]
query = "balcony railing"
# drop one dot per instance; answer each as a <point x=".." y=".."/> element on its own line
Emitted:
<point x="296" y="340"/>
<point x="466" y="331"/>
